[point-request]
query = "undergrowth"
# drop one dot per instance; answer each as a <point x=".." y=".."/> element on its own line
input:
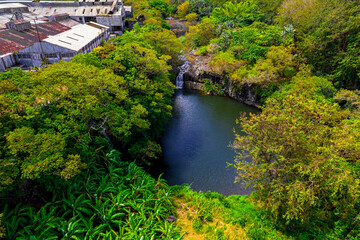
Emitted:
<point x="119" y="200"/>
<point x="211" y="215"/>
<point x="114" y="200"/>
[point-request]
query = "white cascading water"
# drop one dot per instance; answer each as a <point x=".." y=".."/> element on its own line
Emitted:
<point x="180" y="78"/>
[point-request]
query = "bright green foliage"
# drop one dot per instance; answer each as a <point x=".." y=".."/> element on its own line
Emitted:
<point x="59" y="118"/>
<point x="278" y="68"/>
<point x="201" y="34"/>
<point x="240" y="14"/>
<point x="225" y="63"/>
<point x="160" y="5"/>
<point x="251" y="43"/>
<point x="41" y="153"/>
<point x="214" y="216"/>
<point x="154" y="11"/>
<point x="183" y="9"/>
<point x="59" y="110"/>
<point x="111" y="201"/>
<point x="298" y="168"/>
<point x="212" y="88"/>
<point x="142" y="59"/>
<point x="163" y="41"/>
<point x="237" y="14"/>
<point x="201" y="7"/>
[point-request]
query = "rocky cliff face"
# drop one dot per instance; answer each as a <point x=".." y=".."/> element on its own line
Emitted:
<point x="177" y="26"/>
<point x="200" y="70"/>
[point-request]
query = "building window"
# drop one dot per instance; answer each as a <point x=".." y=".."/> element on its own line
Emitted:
<point x="51" y="55"/>
<point x="67" y="55"/>
<point x="24" y="56"/>
<point x="116" y="28"/>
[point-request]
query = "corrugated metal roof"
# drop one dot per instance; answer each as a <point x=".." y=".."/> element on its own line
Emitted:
<point x="6" y="17"/>
<point x="19" y="21"/>
<point x="76" y="38"/>
<point x="12" y="41"/>
<point x="69" y="22"/>
<point x="72" y="11"/>
<point x="11" y="5"/>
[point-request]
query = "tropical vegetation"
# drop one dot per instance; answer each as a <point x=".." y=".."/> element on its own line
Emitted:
<point x="75" y="137"/>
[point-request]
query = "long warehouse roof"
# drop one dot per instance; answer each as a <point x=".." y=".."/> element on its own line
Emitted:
<point x="76" y="38"/>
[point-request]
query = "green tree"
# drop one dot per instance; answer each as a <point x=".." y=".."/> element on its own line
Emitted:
<point x="191" y="19"/>
<point x="298" y="169"/>
<point x="201" y="34"/>
<point x="52" y="117"/>
<point x="327" y="34"/>
<point x="160" y="5"/>
<point x="183" y="9"/>
<point x="269" y="8"/>
<point x="250" y="43"/>
<point x="277" y="68"/>
<point x="240" y="14"/>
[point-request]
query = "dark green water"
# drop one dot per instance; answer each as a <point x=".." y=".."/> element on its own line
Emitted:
<point x="196" y="142"/>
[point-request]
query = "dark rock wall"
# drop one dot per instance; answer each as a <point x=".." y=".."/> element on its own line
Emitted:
<point x="194" y="79"/>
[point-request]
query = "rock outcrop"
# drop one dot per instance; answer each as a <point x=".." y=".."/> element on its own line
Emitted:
<point x="200" y="70"/>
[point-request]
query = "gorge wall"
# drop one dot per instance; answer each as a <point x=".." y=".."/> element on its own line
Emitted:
<point x="200" y="70"/>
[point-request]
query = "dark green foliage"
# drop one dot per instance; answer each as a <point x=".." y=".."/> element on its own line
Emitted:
<point x="327" y="34"/>
<point x="114" y="199"/>
<point x="160" y="5"/>
<point x="212" y="88"/>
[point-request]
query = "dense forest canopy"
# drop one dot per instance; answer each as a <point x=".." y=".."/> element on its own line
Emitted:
<point x="73" y="134"/>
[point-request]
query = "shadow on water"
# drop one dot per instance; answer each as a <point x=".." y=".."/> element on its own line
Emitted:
<point x="196" y="142"/>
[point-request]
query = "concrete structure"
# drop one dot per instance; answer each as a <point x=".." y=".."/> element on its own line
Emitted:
<point x="33" y="33"/>
<point x="32" y="45"/>
<point x="110" y="13"/>
<point x="63" y="46"/>
<point x="7" y="61"/>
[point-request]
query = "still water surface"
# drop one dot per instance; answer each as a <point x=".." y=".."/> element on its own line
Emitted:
<point x="196" y="142"/>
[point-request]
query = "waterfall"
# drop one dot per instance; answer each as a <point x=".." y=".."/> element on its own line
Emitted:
<point x="180" y="78"/>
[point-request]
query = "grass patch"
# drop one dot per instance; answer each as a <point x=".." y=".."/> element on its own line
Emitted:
<point x="213" y="216"/>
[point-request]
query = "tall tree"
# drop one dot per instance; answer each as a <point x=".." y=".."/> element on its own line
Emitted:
<point x="298" y="169"/>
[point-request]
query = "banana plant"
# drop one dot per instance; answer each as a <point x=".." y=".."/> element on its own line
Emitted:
<point x="72" y="229"/>
<point x="14" y="220"/>
<point x="76" y="206"/>
<point x="42" y="224"/>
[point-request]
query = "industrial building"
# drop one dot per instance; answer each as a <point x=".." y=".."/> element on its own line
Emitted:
<point x="33" y="45"/>
<point x="110" y="13"/>
<point x="32" y="34"/>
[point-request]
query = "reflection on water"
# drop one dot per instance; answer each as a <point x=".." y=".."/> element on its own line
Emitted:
<point x="195" y="142"/>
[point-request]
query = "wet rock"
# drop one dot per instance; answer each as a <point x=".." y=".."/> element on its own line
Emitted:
<point x="171" y="219"/>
